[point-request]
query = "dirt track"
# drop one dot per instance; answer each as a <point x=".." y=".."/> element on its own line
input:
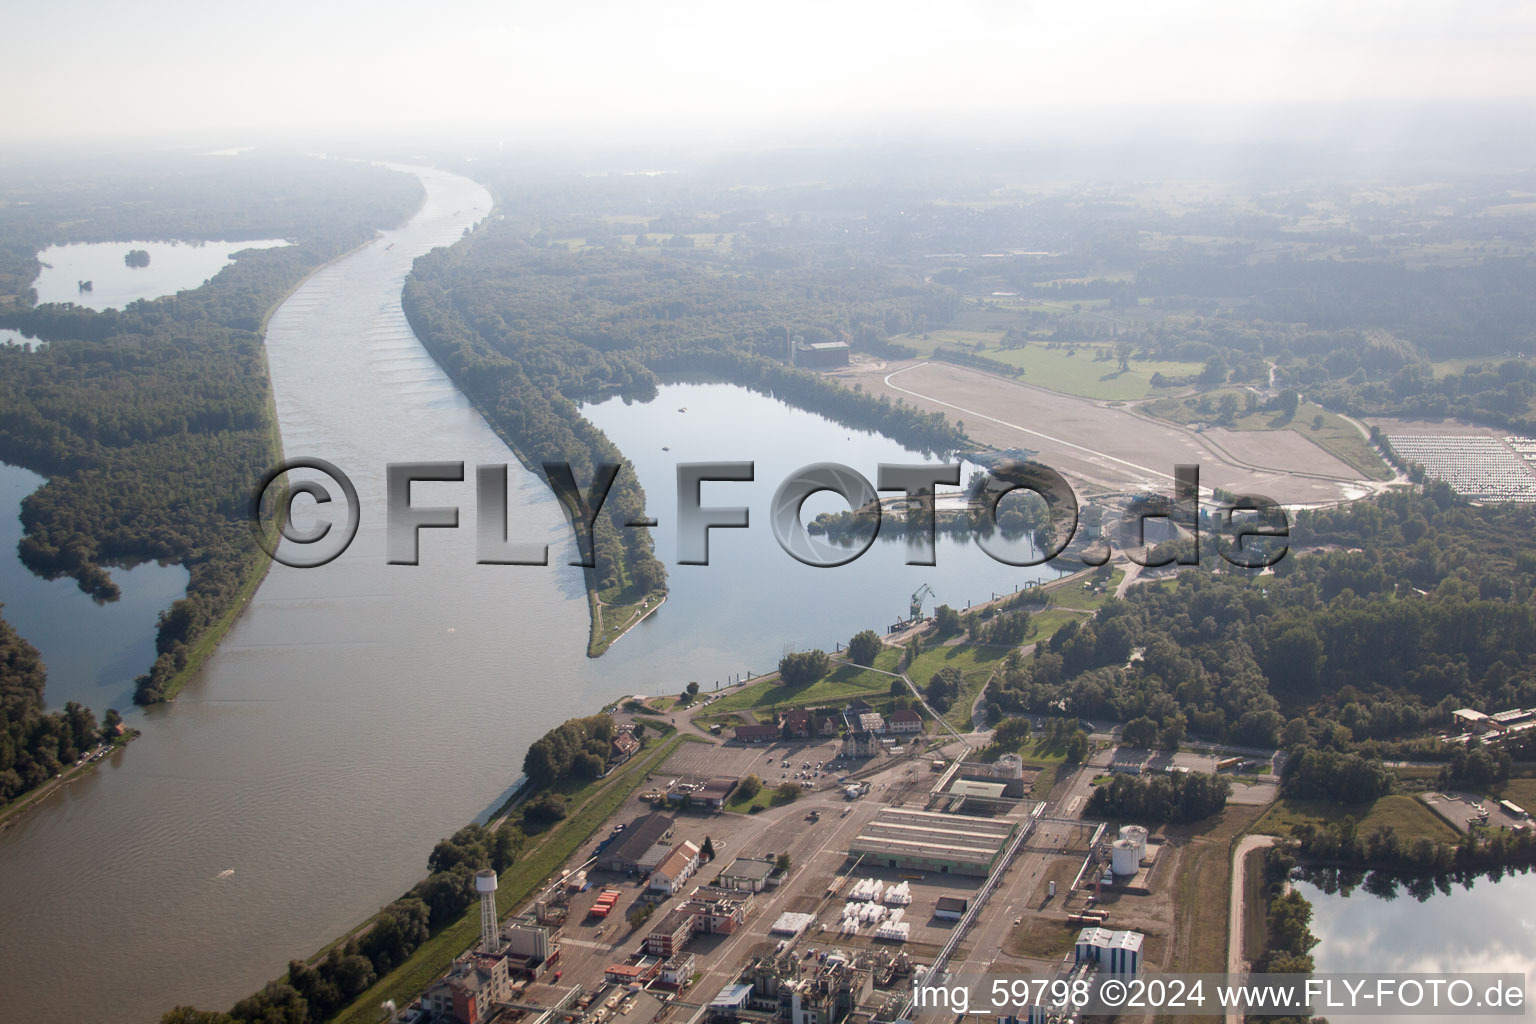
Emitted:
<point x="1103" y="447"/>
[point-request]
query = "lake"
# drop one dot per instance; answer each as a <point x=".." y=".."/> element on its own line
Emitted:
<point x="1490" y="927"/>
<point x="55" y="616"/>
<point x="173" y="267"/>
<point x="754" y="599"/>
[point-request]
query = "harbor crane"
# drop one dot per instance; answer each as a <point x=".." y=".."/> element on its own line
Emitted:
<point x="917" y="601"/>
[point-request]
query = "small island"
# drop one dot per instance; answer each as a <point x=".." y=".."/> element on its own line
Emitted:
<point x="137" y="258"/>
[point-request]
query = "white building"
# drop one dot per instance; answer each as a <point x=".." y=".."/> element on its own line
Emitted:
<point x="675" y="868"/>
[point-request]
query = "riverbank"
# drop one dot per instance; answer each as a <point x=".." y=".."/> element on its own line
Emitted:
<point x="525" y="877"/>
<point x="33" y="797"/>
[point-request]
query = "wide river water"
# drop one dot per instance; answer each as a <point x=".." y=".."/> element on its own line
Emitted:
<point x="358" y="712"/>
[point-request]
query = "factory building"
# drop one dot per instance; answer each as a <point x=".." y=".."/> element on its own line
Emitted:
<point x="1114" y="952"/>
<point x="748" y="873"/>
<point x="818" y="355"/>
<point x="627" y="851"/>
<point x="928" y="841"/>
<point x="475" y="983"/>
<point x="700" y="915"/>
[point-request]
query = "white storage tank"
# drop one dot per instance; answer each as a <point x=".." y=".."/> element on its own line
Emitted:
<point x="1124" y="858"/>
<point x="1138" y="835"/>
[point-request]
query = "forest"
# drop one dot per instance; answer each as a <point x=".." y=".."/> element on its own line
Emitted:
<point x="152" y="422"/>
<point x="1389" y="614"/>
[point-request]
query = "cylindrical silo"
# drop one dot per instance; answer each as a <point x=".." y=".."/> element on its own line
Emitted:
<point x="1124" y="858"/>
<point x="1138" y="835"/>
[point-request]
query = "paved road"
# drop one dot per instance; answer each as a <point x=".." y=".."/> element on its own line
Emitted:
<point x="1236" y="964"/>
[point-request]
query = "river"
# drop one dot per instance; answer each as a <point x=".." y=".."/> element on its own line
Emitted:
<point x="358" y="712"/>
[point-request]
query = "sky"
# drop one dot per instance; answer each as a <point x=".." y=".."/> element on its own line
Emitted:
<point x="86" y="70"/>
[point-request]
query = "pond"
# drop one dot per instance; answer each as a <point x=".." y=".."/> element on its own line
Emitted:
<point x="1489" y="927"/>
<point x="92" y="651"/>
<point x="172" y="267"/>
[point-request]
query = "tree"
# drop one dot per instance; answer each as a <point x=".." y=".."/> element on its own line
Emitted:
<point x="801" y="668"/>
<point x="782" y="862"/>
<point x="898" y="688"/>
<point x="863" y="647"/>
<point x="946" y="620"/>
<point x="786" y="792"/>
<point x="1123" y="355"/>
<point x="749" y="787"/>
<point x="638" y="729"/>
<point x="1172" y="734"/>
<point x="693" y="689"/>
<point x="1076" y="748"/>
<point x="1288" y="402"/>
<point x="1139" y="732"/>
<point x="707" y="851"/>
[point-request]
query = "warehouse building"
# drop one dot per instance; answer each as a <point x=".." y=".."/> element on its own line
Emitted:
<point x="630" y="849"/>
<point x="929" y="841"/>
<point x="1114" y="952"/>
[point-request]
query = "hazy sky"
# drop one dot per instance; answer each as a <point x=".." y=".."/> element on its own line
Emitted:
<point x="87" y="69"/>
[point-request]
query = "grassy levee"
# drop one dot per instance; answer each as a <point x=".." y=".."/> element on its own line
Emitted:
<point x="516" y="884"/>
<point x="843" y="682"/>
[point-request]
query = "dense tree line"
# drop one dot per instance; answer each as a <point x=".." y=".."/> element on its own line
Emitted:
<point x="151" y="422"/>
<point x="1346" y="778"/>
<point x="577" y="748"/>
<point x="1176" y="799"/>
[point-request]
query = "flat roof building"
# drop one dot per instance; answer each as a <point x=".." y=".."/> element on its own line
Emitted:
<point x="951" y="908"/>
<point x="928" y="841"/>
<point x="748" y="873"/>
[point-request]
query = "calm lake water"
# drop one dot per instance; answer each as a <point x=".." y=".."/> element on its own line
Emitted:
<point x="173" y="267"/>
<point x="93" y="652"/>
<point x="753" y="598"/>
<point x="359" y="712"/>
<point x="1488" y="928"/>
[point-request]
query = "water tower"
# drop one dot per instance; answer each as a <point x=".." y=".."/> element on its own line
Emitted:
<point x="485" y="885"/>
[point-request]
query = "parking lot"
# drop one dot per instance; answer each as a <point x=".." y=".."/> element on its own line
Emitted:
<point x="1467" y="810"/>
<point x="766" y="761"/>
<point x="1252" y="784"/>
